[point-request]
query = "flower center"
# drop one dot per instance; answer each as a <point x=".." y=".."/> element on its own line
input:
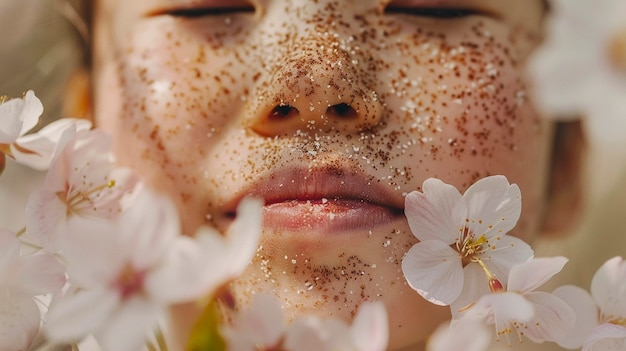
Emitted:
<point x="84" y="197"/>
<point x="129" y="282"/>
<point x="469" y="246"/>
<point x="617" y="50"/>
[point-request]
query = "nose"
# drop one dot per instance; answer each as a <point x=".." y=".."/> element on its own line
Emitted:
<point x="316" y="90"/>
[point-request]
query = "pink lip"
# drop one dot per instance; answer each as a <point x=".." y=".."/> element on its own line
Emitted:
<point x="325" y="199"/>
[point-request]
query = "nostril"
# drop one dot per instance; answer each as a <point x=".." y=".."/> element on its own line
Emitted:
<point x="342" y="110"/>
<point x="283" y="112"/>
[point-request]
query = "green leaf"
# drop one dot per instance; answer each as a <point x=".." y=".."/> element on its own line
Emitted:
<point x="205" y="335"/>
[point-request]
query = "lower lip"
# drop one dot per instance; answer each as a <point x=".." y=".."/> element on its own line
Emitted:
<point x="327" y="215"/>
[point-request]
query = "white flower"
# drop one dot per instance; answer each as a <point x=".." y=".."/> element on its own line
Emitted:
<point x="581" y="67"/>
<point x="18" y="117"/>
<point x="467" y="334"/>
<point x="22" y="277"/>
<point x="125" y="273"/>
<point x="81" y="182"/>
<point x="601" y="316"/>
<point x="538" y="315"/>
<point x="263" y="327"/>
<point x="368" y="332"/>
<point x="39" y="149"/>
<point x="456" y="230"/>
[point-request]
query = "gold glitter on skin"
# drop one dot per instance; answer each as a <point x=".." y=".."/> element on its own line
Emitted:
<point x="204" y="106"/>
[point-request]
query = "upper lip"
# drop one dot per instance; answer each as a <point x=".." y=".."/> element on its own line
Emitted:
<point x="304" y="183"/>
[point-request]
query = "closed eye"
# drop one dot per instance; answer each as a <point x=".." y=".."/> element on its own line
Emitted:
<point x="205" y="11"/>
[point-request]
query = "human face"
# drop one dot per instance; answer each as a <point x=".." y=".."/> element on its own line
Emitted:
<point x="330" y="110"/>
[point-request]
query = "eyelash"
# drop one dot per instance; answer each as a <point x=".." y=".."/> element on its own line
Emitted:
<point x="433" y="12"/>
<point x="209" y="11"/>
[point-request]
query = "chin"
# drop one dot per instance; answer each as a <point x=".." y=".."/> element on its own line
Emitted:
<point x="330" y="274"/>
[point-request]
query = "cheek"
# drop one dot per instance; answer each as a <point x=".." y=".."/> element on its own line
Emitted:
<point x="167" y="98"/>
<point x="458" y="112"/>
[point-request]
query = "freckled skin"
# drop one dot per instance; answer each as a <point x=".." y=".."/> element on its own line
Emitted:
<point x="197" y="106"/>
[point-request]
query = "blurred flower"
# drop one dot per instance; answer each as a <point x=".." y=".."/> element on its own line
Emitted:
<point x="125" y="273"/>
<point x="39" y="149"/>
<point x="368" y="332"/>
<point x="263" y="327"/>
<point x="81" y="182"/>
<point x="22" y="277"/>
<point x="538" y="315"/>
<point x="467" y="334"/>
<point x="35" y="150"/>
<point x="580" y="70"/>
<point x="18" y="117"/>
<point x="601" y="316"/>
<point x="461" y="236"/>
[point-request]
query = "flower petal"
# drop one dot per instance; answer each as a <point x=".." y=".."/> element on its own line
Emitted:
<point x="19" y="321"/>
<point x="243" y="235"/>
<point x="467" y="334"/>
<point x="434" y="270"/>
<point x="475" y="285"/>
<point x="37" y="150"/>
<point x="307" y="334"/>
<point x="553" y="319"/>
<point x="494" y="206"/>
<point x="76" y="315"/>
<point x="608" y="286"/>
<point x="86" y="246"/>
<point x="370" y="329"/>
<point x="502" y="253"/>
<point x="128" y="327"/>
<point x="528" y="276"/>
<point x="148" y="228"/>
<point x="314" y="334"/>
<point x="45" y="218"/>
<point x="606" y="337"/>
<point x="436" y="214"/>
<point x="12" y="119"/>
<point x="260" y="326"/>
<point x="41" y="273"/>
<point x="31" y="111"/>
<point x="507" y="310"/>
<point x="586" y="313"/>
<point x="19" y="116"/>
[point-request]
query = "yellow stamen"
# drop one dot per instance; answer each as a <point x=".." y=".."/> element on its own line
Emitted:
<point x="81" y="197"/>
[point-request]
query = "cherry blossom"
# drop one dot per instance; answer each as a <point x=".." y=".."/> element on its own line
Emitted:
<point x="126" y="272"/>
<point x="461" y="237"/>
<point x="263" y="327"/>
<point x="38" y="150"/>
<point x="82" y="182"/>
<point x="601" y="316"/>
<point x="22" y="277"/>
<point x="580" y="69"/>
<point x="18" y="117"/>
<point x="368" y="332"/>
<point x="467" y="334"/>
<point x="35" y="150"/>
<point x="537" y="315"/>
